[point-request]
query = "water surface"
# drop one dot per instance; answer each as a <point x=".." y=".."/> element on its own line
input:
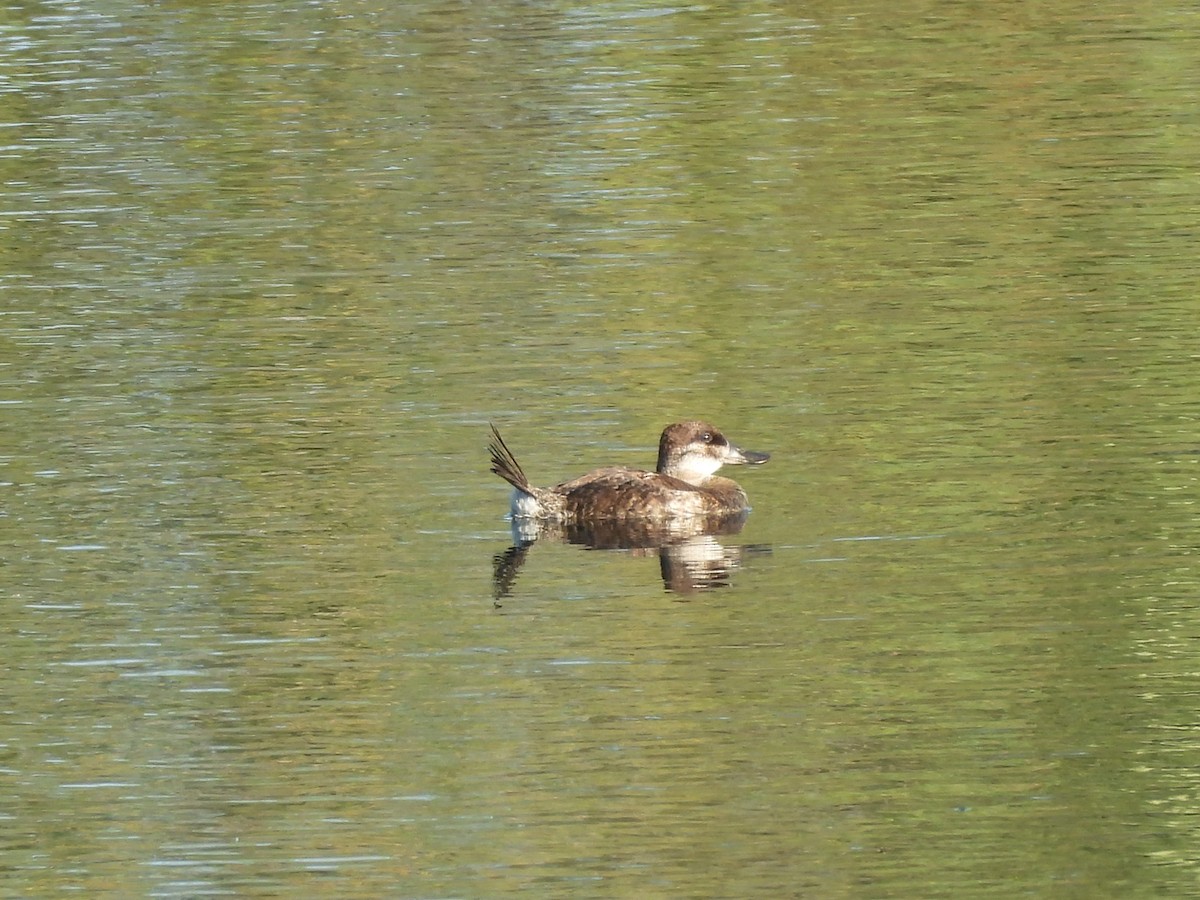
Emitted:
<point x="266" y="274"/>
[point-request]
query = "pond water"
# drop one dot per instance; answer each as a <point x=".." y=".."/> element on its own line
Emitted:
<point x="270" y="269"/>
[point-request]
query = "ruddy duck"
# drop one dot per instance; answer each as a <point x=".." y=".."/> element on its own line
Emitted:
<point x="683" y="484"/>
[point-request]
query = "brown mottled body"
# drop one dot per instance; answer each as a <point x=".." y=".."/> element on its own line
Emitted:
<point x="683" y="485"/>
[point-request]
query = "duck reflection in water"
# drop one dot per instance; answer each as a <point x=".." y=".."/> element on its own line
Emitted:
<point x="677" y="510"/>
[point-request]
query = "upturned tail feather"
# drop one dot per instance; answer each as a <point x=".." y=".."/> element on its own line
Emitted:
<point x="505" y="464"/>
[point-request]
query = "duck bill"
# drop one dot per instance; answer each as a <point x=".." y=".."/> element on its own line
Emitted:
<point x="737" y="456"/>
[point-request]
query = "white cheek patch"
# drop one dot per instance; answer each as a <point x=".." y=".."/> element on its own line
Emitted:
<point x="697" y="468"/>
